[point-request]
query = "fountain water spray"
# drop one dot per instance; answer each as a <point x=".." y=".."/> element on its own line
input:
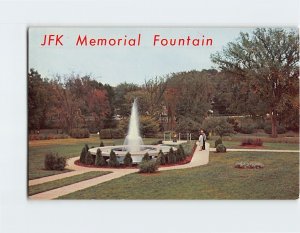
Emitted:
<point x="133" y="140"/>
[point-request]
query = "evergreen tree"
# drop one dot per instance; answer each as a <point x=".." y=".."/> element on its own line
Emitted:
<point x="113" y="161"/>
<point x="128" y="160"/>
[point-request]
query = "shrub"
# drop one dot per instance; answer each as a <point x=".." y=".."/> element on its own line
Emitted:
<point x="146" y="157"/>
<point x="89" y="159"/>
<point x="249" y="165"/>
<point x="55" y="162"/>
<point x="150" y="166"/>
<point x="100" y="160"/>
<point x="252" y="142"/>
<point x="181" y="151"/>
<point x="101" y="144"/>
<point x="171" y="156"/>
<point x="105" y="134"/>
<point x="218" y="142"/>
<point x="127" y="160"/>
<point x="79" y="133"/>
<point x="161" y="159"/>
<point x="221" y="148"/>
<point x="113" y="161"/>
<point x="83" y="154"/>
<point x="280" y="129"/>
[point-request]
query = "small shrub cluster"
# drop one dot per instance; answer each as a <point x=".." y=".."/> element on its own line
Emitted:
<point x="111" y="133"/>
<point x="146" y="157"/>
<point x="148" y="166"/>
<point x="220" y="148"/>
<point x="218" y="142"/>
<point x="249" y="165"/>
<point x="252" y="142"/>
<point x="79" y="133"/>
<point x="54" y="162"/>
<point x="247" y="128"/>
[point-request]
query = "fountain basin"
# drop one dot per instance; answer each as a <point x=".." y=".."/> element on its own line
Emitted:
<point x="136" y="156"/>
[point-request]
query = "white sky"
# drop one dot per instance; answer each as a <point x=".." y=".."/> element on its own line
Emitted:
<point x="114" y="65"/>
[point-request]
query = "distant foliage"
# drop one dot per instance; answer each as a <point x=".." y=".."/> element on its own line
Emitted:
<point x="54" y="162"/>
<point x="111" y="134"/>
<point x="150" y="166"/>
<point x="252" y="142"/>
<point x="128" y="160"/>
<point x="79" y="133"/>
<point x="280" y="129"/>
<point x="218" y="125"/>
<point x="220" y="148"/>
<point x="113" y="161"/>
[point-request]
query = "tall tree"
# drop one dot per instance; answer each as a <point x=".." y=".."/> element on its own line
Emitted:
<point x="268" y="62"/>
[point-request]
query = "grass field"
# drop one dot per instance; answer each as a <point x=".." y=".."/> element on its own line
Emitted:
<point x="72" y="147"/>
<point x="217" y="180"/>
<point x="34" y="189"/>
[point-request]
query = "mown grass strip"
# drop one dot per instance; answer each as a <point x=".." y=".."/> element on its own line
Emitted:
<point x="63" y="182"/>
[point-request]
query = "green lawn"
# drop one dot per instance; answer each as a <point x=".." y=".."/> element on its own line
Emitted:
<point x="266" y="145"/>
<point x="63" y="182"/>
<point x="217" y="180"/>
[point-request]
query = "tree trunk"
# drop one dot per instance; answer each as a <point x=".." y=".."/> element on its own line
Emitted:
<point x="274" y="124"/>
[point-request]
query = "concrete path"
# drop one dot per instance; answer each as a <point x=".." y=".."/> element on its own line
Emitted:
<point x="55" y="193"/>
<point x="259" y="150"/>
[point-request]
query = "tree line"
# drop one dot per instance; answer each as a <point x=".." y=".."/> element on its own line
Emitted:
<point x="257" y="76"/>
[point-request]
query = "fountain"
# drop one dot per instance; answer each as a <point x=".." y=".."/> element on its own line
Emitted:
<point x="133" y="142"/>
<point x="133" y="139"/>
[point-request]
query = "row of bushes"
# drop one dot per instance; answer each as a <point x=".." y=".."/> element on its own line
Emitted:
<point x="147" y="164"/>
<point x="47" y="136"/>
<point x="252" y="142"/>
<point x="79" y="133"/>
<point x="111" y="134"/>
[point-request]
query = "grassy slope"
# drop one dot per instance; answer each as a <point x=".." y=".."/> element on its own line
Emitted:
<point x="217" y="180"/>
<point x="63" y="182"/>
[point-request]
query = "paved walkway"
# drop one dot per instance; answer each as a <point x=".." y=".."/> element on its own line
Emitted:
<point x="199" y="158"/>
<point x="258" y="150"/>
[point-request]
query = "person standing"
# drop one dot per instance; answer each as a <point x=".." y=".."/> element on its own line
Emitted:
<point x="204" y="138"/>
<point x="200" y="141"/>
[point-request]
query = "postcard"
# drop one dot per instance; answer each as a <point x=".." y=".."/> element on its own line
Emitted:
<point x="163" y="113"/>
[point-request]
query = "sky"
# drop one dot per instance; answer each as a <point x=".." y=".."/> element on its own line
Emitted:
<point x="114" y="65"/>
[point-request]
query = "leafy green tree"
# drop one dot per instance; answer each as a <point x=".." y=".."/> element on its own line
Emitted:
<point x="217" y="125"/>
<point x="267" y="62"/>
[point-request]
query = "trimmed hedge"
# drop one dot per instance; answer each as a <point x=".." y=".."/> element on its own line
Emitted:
<point x="79" y="133"/>
<point x="111" y="134"/>
<point x="252" y="142"/>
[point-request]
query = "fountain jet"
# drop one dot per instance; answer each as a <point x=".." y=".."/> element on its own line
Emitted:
<point x="133" y="140"/>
